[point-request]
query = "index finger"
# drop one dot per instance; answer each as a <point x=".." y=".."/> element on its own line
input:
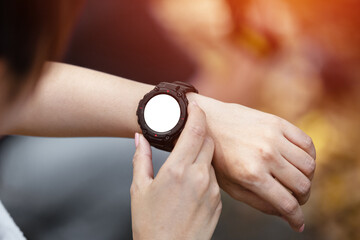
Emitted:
<point x="192" y="137"/>
<point x="299" y="138"/>
<point x="206" y="153"/>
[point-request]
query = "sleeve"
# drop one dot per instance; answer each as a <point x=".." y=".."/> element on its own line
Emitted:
<point x="8" y="229"/>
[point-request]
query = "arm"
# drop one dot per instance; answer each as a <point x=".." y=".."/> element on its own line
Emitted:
<point x="258" y="156"/>
<point x="73" y="101"/>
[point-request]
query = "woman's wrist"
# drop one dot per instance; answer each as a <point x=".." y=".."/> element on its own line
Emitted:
<point x="210" y="106"/>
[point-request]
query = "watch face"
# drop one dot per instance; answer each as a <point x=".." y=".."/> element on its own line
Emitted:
<point x="162" y="113"/>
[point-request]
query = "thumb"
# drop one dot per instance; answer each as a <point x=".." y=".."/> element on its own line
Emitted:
<point x="142" y="161"/>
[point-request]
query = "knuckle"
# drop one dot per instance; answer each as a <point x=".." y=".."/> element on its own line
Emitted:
<point x="304" y="187"/>
<point x="175" y="172"/>
<point x="310" y="164"/>
<point x="278" y="121"/>
<point x="136" y="156"/>
<point x="290" y="207"/>
<point x="134" y="189"/>
<point x="198" y="130"/>
<point x="269" y="133"/>
<point x="266" y="152"/>
<point x="202" y="179"/>
<point x="284" y="125"/>
<point x="251" y="176"/>
<point x="135" y="160"/>
<point x="308" y="142"/>
<point x="216" y="191"/>
<point x="314" y="152"/>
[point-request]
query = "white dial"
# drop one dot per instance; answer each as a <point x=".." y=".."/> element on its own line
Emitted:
<point x="162" y="113"/>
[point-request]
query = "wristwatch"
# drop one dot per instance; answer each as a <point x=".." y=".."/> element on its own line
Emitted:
<point x="162" y="113"/>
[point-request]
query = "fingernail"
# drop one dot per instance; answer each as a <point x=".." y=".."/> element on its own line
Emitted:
<point x="136" y="139"/>
<point x="301" y="229"/>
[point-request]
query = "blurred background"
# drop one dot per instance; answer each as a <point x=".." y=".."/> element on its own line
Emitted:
<point x="298" y="59"/>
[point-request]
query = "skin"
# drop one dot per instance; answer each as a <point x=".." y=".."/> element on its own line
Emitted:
<point x="258" y="156"/>
<point x="183" y="201"/>
<point x="259" y="148"/>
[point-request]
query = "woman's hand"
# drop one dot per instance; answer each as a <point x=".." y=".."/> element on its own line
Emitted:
<point x="183" y="201"/>
<point x="259" y="157"/>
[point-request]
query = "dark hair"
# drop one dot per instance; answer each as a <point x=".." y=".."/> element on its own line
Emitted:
<point x="31" y="32"/>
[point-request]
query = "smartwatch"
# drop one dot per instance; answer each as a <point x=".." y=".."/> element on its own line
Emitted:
<point x="162" y="113"/>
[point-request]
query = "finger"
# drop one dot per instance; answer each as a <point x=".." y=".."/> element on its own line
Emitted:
<point x="213" y="181"/>
<point x="206" y="153"/>
<point x="246" y="196"/>
<point x="215" y="219"/>
<point x="299" y="138"/>
<point x="216" y="190"/>
<point x="293" y="179"/>
<point x="192" y="137"/>
<point x="298" y="157"/>
<point x="142" y="162"/>
<point x="282" y="200"/>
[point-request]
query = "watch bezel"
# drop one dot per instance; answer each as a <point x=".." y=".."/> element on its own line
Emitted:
<point x="162" y="138"/>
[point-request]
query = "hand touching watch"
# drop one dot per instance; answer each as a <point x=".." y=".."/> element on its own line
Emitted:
<point x="183" y="200"/>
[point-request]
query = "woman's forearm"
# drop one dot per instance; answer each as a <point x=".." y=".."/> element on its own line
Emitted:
<point x="72" y="101"/>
